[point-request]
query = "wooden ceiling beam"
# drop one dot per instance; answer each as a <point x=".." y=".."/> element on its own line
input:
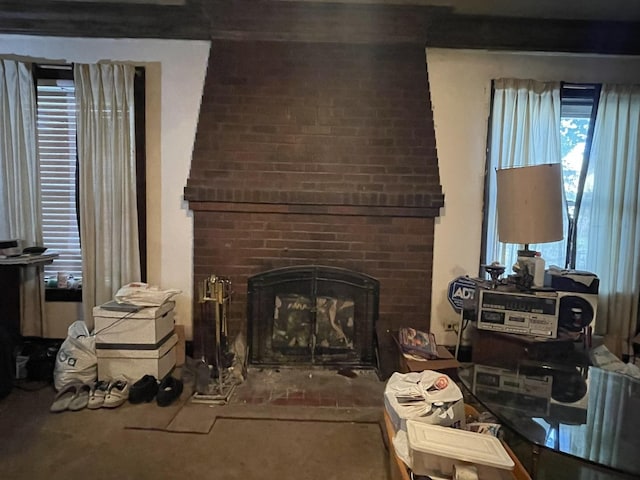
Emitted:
<point x="109" y="20"/>
<point x="317" y="22"/>
<point x="535" y="34"/>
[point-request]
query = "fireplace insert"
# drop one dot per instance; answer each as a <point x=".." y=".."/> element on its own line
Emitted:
<point x="312" y="315"/>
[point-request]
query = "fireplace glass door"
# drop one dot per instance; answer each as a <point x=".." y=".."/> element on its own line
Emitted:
<point x="312" y="315"/>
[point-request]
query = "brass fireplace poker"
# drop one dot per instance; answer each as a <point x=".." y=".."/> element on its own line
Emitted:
<point x="218" y="290"/>
<point x="215" y="298"/>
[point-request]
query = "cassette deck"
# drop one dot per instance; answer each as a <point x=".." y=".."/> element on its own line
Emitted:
<point x="520" y="313"/>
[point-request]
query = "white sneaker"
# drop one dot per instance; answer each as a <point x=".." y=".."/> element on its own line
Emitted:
<point x="117" y="394"/>
<point x="98" y="393"/>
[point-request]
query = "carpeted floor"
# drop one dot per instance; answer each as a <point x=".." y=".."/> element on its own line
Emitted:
<point x="187" y="440"/>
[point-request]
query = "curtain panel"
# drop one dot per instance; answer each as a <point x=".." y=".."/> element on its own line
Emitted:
<point x="525" y="130"/>
<point x="610" y="214"/>
<point x="108" y="207"/>
<point x="20" y="207"/>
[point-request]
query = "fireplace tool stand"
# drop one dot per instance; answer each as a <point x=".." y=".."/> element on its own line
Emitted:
<point x="214" y="384"/>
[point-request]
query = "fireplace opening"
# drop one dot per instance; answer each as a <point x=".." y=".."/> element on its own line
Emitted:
<point x="312" y="315"/>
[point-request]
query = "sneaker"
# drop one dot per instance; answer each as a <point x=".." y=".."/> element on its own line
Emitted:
<point x="170" y="389"/>
<point x="144" y="390"/>
<point x="117" y="394"/>
<point x="97" y="394"/>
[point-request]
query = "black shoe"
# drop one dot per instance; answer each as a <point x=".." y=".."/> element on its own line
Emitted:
<point x="143" y="390"/>
<point x="170" y="389"/>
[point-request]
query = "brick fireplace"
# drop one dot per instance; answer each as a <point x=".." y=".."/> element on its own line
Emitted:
<point x="313" y="153"/>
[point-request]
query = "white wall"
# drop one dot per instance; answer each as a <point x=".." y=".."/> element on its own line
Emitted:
<point x="460" y="90"/>
<point x="175" y="78"/>
<point x="460" y="83"/>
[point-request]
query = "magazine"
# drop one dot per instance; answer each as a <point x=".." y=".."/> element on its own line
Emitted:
<point x="416" y="342"/>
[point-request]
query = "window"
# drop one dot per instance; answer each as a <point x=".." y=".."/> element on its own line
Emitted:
<point x="578" y="104"/>
<point x="56" y="131"/>
<point x="56" y="137"/>
<point x="577" y="118"/>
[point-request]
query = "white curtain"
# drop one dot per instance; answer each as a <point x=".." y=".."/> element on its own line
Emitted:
<point x="611" y="206"/>
<point x="108" y="207"/>
<point x="525" y="130"/>
<point x="20" y="209"/>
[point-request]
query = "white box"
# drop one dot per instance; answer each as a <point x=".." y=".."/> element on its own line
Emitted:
<point x="134" y="364"/>
<point x="147" y="327"/>
<point x="434" y="450"/>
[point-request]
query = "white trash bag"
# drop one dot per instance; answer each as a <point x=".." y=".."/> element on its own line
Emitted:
<point x="76" y="360"/>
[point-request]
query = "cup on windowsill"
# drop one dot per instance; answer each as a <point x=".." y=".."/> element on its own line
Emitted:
<point x="63" y="280"/>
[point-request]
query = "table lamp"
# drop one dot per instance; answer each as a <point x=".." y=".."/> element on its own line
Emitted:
<point x="529" y="203"/>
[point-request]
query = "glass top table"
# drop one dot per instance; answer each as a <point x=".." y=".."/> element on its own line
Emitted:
<point x="583" y="412"/>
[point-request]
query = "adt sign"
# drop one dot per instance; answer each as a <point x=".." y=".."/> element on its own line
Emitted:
<point x="460" y="289"/>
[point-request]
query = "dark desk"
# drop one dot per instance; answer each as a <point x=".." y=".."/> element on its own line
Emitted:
<point x="564" y="422"/>
<point x="10" y="286"/>
<point x="29" y="259"/>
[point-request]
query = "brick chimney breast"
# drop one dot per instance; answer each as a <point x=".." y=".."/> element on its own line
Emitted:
<point x="317" y="153"/>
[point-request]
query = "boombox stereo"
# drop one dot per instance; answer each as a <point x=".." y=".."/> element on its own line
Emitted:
<point x="520" y="313"/>
<point x="577" y="310"/>
<point x="538" y="315"/>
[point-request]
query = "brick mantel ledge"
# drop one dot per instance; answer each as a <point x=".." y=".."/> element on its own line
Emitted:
<point x="343" y="210"/>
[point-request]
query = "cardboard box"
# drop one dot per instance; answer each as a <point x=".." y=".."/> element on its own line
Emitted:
<point x="134" y="364"/>
<point x="122" y="329"/>
<point x="446" y="361"/>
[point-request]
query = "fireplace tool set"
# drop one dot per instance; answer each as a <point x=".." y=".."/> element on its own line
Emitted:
<point x="214" y="383"/>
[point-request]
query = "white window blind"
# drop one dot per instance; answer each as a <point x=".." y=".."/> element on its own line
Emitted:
<point x="57" y="150"/>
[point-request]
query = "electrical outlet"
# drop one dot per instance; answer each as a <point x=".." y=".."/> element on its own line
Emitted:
<point x="449" y="327"/>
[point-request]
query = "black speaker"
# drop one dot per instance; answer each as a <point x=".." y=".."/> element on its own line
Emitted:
<point x="577" y="310"/>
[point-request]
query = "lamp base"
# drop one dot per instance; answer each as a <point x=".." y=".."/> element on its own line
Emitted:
<point x="526" y="252"/>
<point x="530" y="268"/>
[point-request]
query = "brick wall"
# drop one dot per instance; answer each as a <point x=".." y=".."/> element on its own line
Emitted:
<point x="317" y="153"/>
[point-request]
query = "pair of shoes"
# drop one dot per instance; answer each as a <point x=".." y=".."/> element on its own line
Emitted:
<point x="74" y="397"/>
<point x="98" y="393"/>
<point x="117" y="393"/>
<point x="169" y="390"/>
<point x="144" y="390"/>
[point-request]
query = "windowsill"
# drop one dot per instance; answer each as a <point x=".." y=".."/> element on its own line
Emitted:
<point x="63" y="295"/>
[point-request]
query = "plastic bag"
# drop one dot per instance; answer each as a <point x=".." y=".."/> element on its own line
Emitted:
<point x="428" y="397"/>
<point x="143" y="295"/>
<point x="76" y="360"/>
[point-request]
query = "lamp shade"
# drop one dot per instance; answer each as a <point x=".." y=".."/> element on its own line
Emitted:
<point x="530" y="204"/>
